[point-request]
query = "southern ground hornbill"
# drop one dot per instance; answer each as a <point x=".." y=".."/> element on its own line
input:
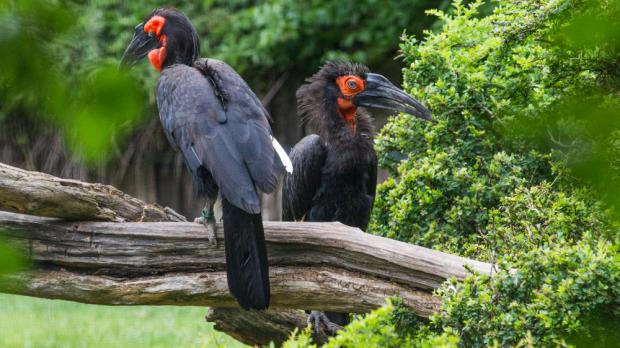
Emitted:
<point x="335" y="172"/>
<point x="210" y="114"/>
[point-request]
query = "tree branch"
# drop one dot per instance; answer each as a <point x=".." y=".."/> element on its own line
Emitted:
<point x="326" y="266"/>
<point x="35" y="193"/>
<point x="321" y="266"/>
<point x="258" y="327"/>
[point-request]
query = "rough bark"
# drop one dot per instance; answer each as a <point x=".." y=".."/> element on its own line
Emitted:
<point x="35" y="193"/>
<point x="258" y="327"/>
<point x="323" y="266"/>
<point x="326" y="266"/>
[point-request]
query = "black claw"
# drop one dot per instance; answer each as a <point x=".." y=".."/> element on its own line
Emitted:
<point x="316" y="317"/>
<point x="331" y="328"/>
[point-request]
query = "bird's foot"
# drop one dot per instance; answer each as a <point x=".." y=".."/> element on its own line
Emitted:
<point x="208" y="220"/>
<point x="316" y="318"/>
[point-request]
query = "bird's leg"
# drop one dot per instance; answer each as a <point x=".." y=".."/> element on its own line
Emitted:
<point x="207" y="218"/>
<point x="316" y="318"/>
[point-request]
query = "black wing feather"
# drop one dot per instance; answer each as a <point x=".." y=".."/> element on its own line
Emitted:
<point x="308" y="158"/>
<point x="238" y="152"/>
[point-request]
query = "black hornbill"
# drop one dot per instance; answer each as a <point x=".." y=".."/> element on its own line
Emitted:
<point x="335" y="172"/>
<point x="210" y="114"/>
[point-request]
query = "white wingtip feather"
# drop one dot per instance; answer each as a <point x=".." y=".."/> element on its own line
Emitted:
<point x="288" y="165"/>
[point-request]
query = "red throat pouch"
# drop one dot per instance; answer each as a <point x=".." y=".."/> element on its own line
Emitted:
<point x="155" y="25"/>
<point x="157" y="57"/>
<point x="347" y="110"/>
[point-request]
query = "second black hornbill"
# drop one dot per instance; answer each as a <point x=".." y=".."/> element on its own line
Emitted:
<point x="210" y="114"/>
<point x="335" y="171"/>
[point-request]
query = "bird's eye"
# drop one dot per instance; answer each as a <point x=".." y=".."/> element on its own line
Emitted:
<point x="352" y="84"/>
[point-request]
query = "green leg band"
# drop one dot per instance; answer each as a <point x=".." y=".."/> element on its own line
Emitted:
<point x="206" y="215"/>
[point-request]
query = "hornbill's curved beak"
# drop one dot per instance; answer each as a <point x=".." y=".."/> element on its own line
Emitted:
<point x="141" y="44"/>
<point x="380" y="93"/>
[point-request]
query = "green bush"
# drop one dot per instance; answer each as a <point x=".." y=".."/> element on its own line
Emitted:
<point x="380" y="328"/>
<point x="442" y="201"/>
<point x="540" y="217"/>
<point x="489" y="82"/>
<point x="520" y="170"/>
<point x="552" y="297"/>
<point x="565" y="295"/>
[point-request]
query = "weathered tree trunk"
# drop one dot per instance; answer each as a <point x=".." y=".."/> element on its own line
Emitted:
<point x="35" y="193"/>
<point x="258" y="327"/>
<point x="327" y="266"/>
<point x="323" y="266"/>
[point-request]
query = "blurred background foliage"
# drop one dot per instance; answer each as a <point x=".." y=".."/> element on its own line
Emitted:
<point x="90" y="107"/>
<point x="66" y="112"/>
<point x="521" y="169"/>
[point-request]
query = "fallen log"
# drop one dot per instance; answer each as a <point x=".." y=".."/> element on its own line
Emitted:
<point x="325" y="266"/>
<point x="322" y="266"/>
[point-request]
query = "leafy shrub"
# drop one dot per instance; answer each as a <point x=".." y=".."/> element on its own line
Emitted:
<point x="442" y="202"/>
<point x="514" y="171"/>
<point x="550" y="298"/>
<point x="378" y="328"/>
<point x="477" y="75"/>
<point x="539" y="217"/>
<point x="567" y="294"/>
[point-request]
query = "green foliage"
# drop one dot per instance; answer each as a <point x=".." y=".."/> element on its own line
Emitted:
<point x="93" y="108"/>
<point x="262" y="40"/>
<point x="379" y="328"/>
<point x="51" y="48"/>
<point x="288" y="35"/>
<point x="108" y="106"/>
<point x="441" y="201"/>
<point x="520" y="170"/>
<point x="490" y="82"/>
<point x="541" y="217"/>
<point x="550" y="296"/>
<point x="375" y="330"/>
<point x="300" y="339"/>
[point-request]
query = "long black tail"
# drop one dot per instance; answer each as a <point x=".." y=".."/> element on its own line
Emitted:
<point x="246" y="257"/>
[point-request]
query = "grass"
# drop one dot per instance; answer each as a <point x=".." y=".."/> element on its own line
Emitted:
<point x="29" y="322"/>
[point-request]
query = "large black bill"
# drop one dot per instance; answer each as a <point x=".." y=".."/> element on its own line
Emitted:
<point x="141" y="44"/>
<point x="382" y="94"/>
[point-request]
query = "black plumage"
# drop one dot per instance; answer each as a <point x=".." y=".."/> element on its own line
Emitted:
<point x="335" y="171"/>
<point x="229" y="138"/>
<point x="211" y="115"/>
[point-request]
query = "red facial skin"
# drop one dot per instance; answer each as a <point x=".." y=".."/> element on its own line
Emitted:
<point x="350" y="86"/>
<point x="154" y="26"/>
